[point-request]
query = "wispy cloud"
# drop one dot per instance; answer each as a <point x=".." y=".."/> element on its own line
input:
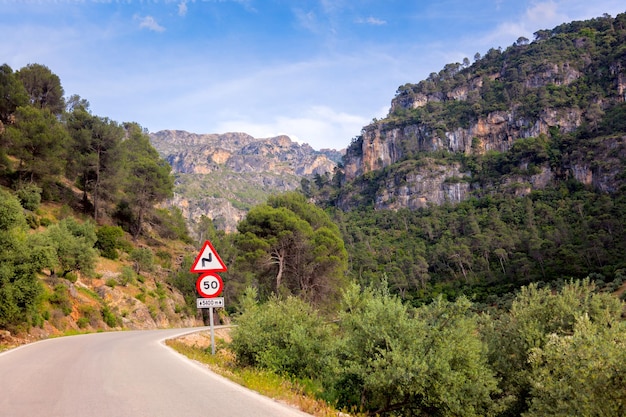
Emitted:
<point x="371" y="21"/>
<point x="150" y="23"/>
<point x="182" y="8"/>
<point x="307" y="20"/>
<point x="318" y="125"/>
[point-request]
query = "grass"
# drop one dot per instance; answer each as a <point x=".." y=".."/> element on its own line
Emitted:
<point x="266" y="383"/>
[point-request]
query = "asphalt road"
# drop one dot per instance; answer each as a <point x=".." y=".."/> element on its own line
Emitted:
<point x="120" y="374"/>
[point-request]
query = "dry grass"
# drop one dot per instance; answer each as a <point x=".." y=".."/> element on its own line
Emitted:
<point x="263" y="382"/>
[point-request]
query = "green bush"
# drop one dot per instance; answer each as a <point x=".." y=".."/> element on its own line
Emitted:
<point x="425" y="361"/>
<point x="29" y="196"/>
<point x="60" y="298"/>
<point x="108" y="316"/>
<point x="109" y="241"/>
<point x="82" y="322"/>
<point x="127" y="276"/>
<point x="143" y="258"/>
<point x="283" y="336"/>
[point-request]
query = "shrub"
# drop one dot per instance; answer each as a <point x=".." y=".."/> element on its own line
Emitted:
<point x="29" y="196"/>
<point x="127" y="276"/>
<point x="60" y="298"/>
<point x="108" y="316"/>
<point x="143" y="259"/>
<point x="283" y="336"/>
<point x="109" y="241"/>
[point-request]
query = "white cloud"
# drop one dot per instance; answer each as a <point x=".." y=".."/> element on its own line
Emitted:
<point x="319" y="126"/>
<point x="541" y="12"/>
<point x="149" y="23"/>
<point x="307" y="20"/>
<point x="372" y="21"/>
<point x="182" y="8"/>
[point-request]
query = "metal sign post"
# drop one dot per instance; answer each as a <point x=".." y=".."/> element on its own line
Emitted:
<point x="210" y="303"/>
<point x="209" y="285"/>
<point x="212" y="334"/>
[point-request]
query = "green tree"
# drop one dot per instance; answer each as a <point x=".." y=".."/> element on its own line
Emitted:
<point x="148" y="177"/>
<point x="286" y="336"/>
<point x="294" y="248"/>
<point x="96" y="156"/>
<point x="535" y="315"/>
<point x="143" y="259"/>
<point x="39" y="142"/>
<point x="20" y="260"/>
<point x="12" y="93"/>
<point x="43" y="87"/>
<point x="73" y="244"/>
<point x="580" y="374"/>
<point x="392" y="361"/>
<point x="109" y="240"/>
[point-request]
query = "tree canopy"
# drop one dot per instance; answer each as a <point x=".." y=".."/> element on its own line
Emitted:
<point x="294" y="248"/>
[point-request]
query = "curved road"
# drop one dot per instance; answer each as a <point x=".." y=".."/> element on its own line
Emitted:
<point x="120" y="374"/>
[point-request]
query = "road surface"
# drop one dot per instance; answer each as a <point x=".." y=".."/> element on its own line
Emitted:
<point x="120" y="374"/>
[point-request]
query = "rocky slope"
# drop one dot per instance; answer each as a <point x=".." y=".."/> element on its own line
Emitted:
<point x="222" y="175"/>
<point x="565" y="82"/>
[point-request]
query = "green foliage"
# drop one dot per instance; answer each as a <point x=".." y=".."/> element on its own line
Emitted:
<point x="29" y="196"/>
<point x="392" y="361"/>
<point x="284" y="336"/>
<point x="39" y="141"/>
<point x="96" y="163"/>
<point x="148" y="180"/>
<point x="12" y="93"/>
<point x="109" y="317"/>
<point x="486" y="247"/>
<point x="109" y="241"/>
<point x="143" y="259"/>
<point x="73" y="243"/>
<point x="171" y="224"/>
<point x="21" y="257"/>
<point x="580" y="374"/>
<point x="537" y="319"/>
<point x="127" y="276"/>
<point x="60" y="299"/>
<point x="185" y="282"/>
<point x="292" y="247"/>
<point x="43" y="87"/>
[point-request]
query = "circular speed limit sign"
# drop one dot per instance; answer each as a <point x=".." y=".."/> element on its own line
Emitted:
<point x="209" y="285"/>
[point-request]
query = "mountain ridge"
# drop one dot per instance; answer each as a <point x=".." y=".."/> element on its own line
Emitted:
<point x="221" y="176"/>
<point x="565" y="90"/>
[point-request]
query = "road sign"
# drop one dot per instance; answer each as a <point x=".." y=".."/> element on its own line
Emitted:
<point x="208" y="260"/>
<point x="209" y="285"/>
<point x="210" y="302"/>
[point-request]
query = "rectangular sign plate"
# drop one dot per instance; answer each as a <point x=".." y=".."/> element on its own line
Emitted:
<point x="210" y="302"/>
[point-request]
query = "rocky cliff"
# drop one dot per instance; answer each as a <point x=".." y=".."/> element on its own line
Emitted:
<point x="569" y="83"/>
<point x="222" y="175"/>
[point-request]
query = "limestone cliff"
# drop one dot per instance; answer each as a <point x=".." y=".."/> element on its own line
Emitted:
<point x="222" y="175"/>
<point x="569" y="82"/>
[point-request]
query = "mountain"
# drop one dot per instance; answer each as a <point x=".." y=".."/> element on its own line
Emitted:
<point x="538" y="113"/>
<point x="221" y="176"/>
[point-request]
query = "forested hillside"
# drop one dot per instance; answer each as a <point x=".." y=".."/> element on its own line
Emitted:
<point x="79" y="216"/>
<point x="490" y="175"/>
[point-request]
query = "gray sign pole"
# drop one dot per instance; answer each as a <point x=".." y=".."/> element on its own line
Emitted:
<point x="212" y="334"/>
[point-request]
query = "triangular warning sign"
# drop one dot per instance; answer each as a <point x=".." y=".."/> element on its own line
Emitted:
<point x="208" y="260"/>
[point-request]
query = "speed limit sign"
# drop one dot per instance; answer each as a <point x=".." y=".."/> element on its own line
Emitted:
<point x="209" y="285"/>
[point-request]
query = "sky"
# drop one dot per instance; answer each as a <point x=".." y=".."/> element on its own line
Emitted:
<point x="316" y="70"/>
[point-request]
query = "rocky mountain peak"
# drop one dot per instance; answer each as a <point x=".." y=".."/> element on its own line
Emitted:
<point x="223" y="175"/>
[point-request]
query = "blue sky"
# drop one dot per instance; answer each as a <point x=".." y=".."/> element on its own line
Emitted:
<point x="316" y="70"/>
